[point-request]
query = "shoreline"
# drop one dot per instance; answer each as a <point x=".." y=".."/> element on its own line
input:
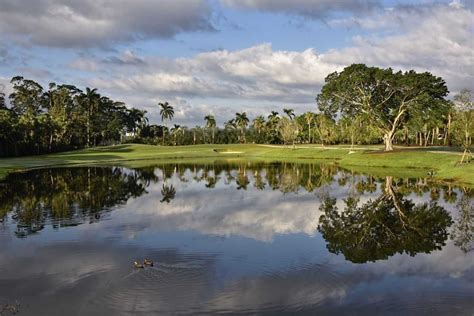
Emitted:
<point x="404" y="162"/>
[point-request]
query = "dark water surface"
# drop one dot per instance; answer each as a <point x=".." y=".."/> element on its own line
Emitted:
<point x="233" y="238"/>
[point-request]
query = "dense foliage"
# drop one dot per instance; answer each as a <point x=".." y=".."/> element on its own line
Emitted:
<point x="360" y="105"/>
<point x="61" y="117"/>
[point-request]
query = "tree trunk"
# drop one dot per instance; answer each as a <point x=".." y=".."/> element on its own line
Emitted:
<point x="388" y="141"/>
<point x="352" y="141"/>
<point x="50" y="146"/>
<point x="242" y="136"/>
<point x="309" y="132"/>
<point x="447" y="139"/>
<point x="164" y="135"/>
<point x="88" y="129"/>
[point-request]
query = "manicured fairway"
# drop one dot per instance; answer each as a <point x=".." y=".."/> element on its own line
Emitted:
<point x="403" y="162"/>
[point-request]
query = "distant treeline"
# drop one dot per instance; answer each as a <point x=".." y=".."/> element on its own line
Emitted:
<point x="360" y="105"/>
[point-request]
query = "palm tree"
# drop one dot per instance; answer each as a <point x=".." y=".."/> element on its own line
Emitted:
<point x="259" y="125"/>
<point x="272" y="128"/>
<point x="176" y="131"/>
<point x="230" y="124"/>
<point x="136" y="119"/>
<point x="90" y="102"/>
<point x="167" y="113"/>
<point x="273" y="114"/>
<point x="229" y="128"/>
<point x="242" y="121"/>
<point x="290" y="113"/>
<point x="309" y="117"/>
<point x="211" y="124"/>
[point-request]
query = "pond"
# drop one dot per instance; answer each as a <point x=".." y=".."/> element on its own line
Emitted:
<point x="233" y="237"/>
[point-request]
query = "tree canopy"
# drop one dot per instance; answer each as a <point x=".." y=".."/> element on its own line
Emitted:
<point x="384" y="97"/>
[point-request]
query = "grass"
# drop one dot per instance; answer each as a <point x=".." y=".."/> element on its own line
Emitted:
<point x="403" y="162"/>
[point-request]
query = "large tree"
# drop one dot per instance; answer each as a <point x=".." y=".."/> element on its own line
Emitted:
<point x="384" y="97"/>
<point x="89" y="102"/>
<point x="288" y="130"/>
<point x="27" y="96"/>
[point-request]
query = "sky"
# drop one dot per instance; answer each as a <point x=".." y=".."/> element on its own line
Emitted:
<point x="220" y="57"/>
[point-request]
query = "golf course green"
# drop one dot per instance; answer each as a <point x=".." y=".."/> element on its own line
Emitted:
<point x="439" y="162"/>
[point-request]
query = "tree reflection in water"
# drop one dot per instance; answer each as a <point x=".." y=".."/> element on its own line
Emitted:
<point x="388" y="224"/>
<point x="463" y="230"/>
<point x="67" y="197"/>
<point x="168" y="192"/>
<point x="383" y="226"/>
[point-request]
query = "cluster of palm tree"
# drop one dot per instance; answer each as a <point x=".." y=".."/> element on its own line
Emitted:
<point x="62" y="117"/>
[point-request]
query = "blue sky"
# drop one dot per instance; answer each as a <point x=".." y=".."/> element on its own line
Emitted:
<point x="222" y="56"/>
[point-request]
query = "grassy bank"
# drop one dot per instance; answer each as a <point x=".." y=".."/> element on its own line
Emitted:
<point x="402" y="162"/>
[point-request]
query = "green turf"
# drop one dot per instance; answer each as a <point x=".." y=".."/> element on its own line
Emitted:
<point x="402" y="162"/>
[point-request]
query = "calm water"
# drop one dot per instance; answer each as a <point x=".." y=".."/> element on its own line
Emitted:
<point x="233" y="238"/>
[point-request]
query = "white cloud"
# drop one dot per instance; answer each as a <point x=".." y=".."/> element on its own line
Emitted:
<point x="255" y="73"/>
<point x="92" y="23"/>
<point x="85" y="64"/>
<point x="431" y="37"/>
<point x="435" y="38"/>
<point x="5" y="86"/>
<point x="249" y="214"/>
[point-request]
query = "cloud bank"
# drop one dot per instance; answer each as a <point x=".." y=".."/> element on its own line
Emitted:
<point x="99" y="23"/>
<point x="307" y="8"/>
<point x="432" y="37"/>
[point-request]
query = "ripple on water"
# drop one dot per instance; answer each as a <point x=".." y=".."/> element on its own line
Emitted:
<point x="290" y="289"/>
<point x="426" y="303"/>
<point x="165" y="287"/>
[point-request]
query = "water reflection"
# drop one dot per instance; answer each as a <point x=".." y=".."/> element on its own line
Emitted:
<point x="463" y="232"/>
<point x="383" y="226"/>
<point x="390" y="222"/>
<point x="168" y="192"/>
<point x="238" y="237"/>
<point x="67" y="197"/>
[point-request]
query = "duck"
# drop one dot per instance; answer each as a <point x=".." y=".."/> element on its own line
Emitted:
<point x="138" y="265"/>
<point x="431" y="173"/>
<point x="148" y="262"/>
